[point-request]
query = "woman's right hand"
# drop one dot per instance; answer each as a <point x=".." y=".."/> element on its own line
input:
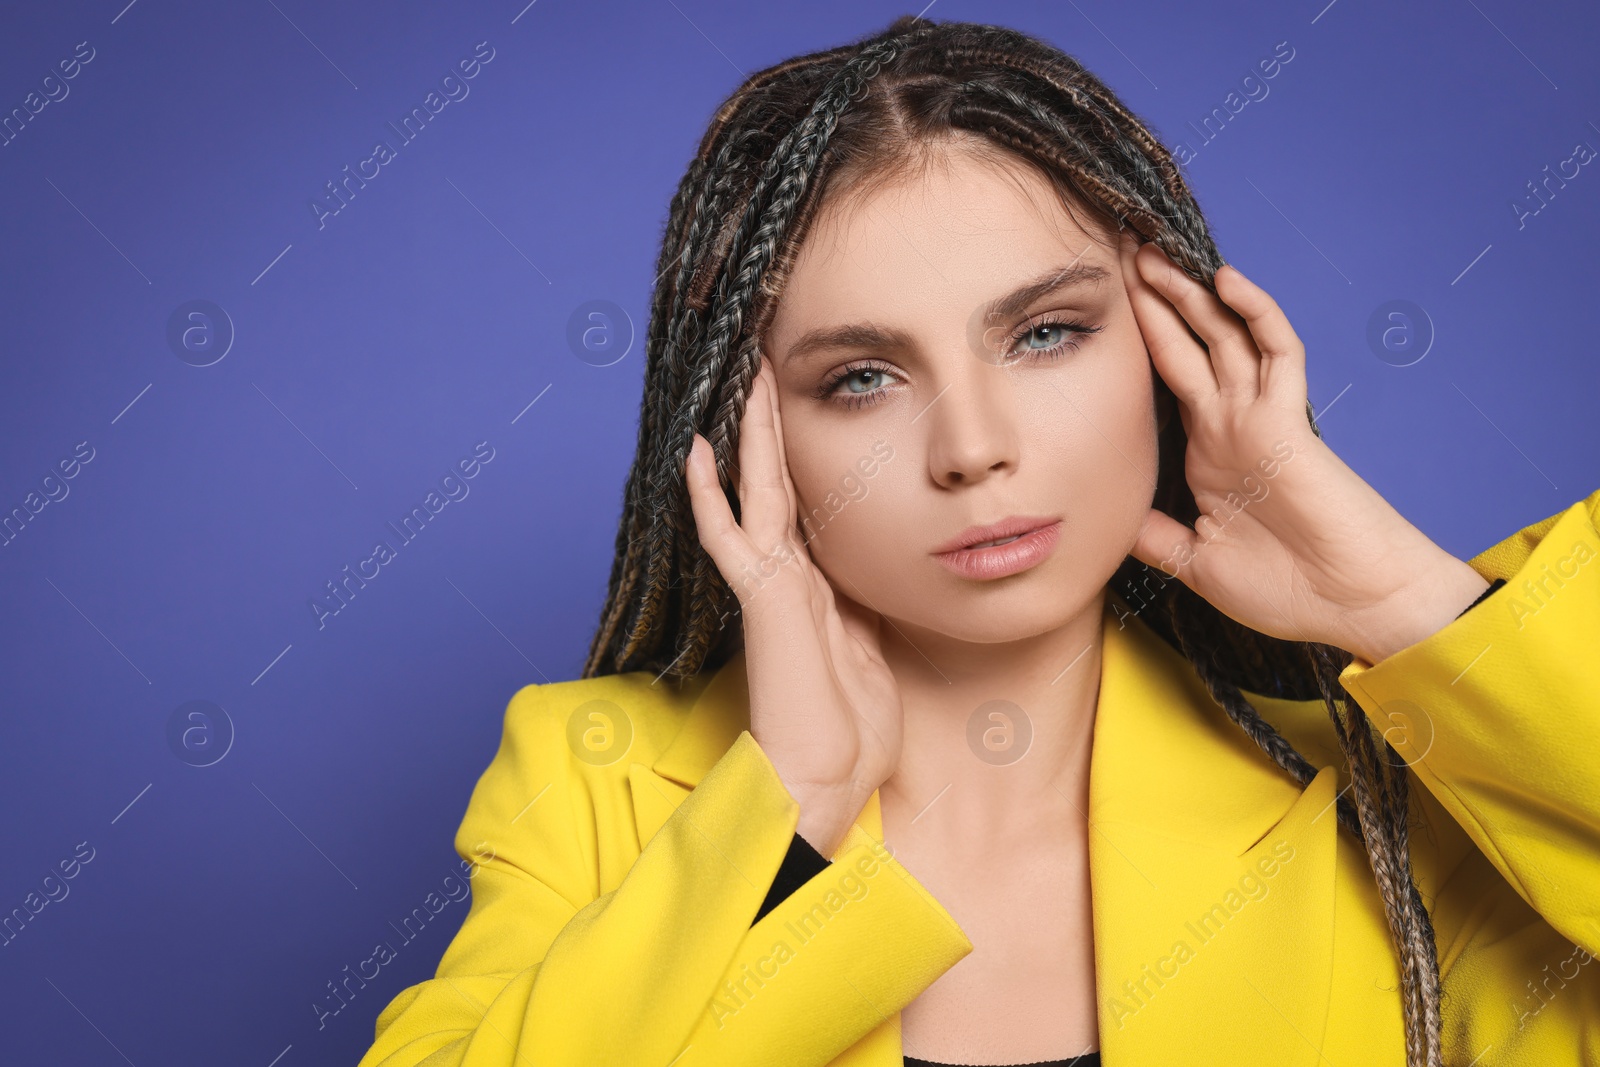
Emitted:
<point x="824" y="706"/>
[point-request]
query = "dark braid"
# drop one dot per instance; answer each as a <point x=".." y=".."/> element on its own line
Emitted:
<point x="823" y="125"/>
<point x="1387" y="814"/>
<point x="626" y="556"/>
<point x="1199" y="643"/>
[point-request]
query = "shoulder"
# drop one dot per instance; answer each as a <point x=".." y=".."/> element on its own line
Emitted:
<point x="564" y="757"/>
<point x="608" y="721"/>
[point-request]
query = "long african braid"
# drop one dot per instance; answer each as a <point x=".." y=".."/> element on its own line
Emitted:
<point x="825" y="122"/>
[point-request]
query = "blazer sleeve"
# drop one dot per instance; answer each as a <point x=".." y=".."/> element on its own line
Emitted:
<point x="665" y="966"/>
<point x="1498" y="715"/>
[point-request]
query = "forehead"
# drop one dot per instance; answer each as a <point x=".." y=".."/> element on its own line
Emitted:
<point x="950" y="236"/>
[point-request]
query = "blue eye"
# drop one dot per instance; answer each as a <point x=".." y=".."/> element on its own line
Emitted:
<point x="1057" y="335"/>
<point x="1046" y="339"/>
<point x="859" y="379"/>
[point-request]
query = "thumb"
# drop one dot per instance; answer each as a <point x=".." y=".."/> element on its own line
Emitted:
<point x="1164" y="543"/>
<point x="860" y="622"/>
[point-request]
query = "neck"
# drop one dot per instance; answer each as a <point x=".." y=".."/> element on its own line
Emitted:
<point x="997" y="737"/>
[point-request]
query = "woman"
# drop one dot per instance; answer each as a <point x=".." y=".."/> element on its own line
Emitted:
<point x="975" y="682"/>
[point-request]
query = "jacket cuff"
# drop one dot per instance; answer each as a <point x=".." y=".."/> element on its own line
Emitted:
<point x="1496" y="715"/>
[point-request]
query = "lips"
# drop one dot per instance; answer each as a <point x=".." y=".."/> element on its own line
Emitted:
<point x="1007" y="529"/>
<point x="985" y="553"/>
<point x="996" y="544"/>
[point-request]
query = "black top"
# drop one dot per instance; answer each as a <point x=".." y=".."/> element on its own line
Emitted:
<point x="1088" y="1059"/>
<point x="803" y="862"/>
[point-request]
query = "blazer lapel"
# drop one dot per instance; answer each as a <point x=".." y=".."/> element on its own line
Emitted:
<point x="712" y="724"/>
<point x="1211" y="871"/>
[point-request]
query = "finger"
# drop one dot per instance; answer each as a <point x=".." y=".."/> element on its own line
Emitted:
<point x="1164" y="543"/>
<point x="1283" y="354"/>
<point x="1233" y="353"/>
<point x="850" y="627"/>
<point x="861" y="623"/>
<point x="713" y="518"/>
<point x="763" y="503"/>
<point x="1178" y="358"/>
<point x="777" y="433"/>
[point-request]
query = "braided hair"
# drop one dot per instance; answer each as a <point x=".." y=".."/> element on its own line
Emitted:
<point x="829" y="121"/>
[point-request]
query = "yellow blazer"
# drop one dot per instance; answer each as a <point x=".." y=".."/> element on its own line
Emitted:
<point x="626" y="833"/>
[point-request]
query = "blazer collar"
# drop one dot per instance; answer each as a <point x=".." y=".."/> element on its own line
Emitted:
<point x="1160" y="744"/>
<point x="1193" y="941"/>
<point x="715" y="720"/>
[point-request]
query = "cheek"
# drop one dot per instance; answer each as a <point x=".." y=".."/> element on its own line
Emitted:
<point x="852" y="498"/>
<point x="1096" y="429"/>
<point x="1133" y="421"/>
<point x="832" y="477"/>
<point x="1096" y="442"/>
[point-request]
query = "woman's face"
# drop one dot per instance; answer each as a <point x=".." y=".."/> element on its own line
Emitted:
<point x="927" y="386"/>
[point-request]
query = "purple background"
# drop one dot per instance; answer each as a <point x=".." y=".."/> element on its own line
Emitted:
<point x="375" y="351"/>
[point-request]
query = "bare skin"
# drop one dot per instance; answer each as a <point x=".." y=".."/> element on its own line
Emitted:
<point x="868" y="658"/>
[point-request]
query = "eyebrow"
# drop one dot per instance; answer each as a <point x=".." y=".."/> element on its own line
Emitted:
<point x="870" y="335"/>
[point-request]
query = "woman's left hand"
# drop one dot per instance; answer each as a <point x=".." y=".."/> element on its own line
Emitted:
<point x="1290" y="541"/>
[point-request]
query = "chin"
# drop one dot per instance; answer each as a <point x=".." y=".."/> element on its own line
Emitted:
<point x="1013" y="609"/>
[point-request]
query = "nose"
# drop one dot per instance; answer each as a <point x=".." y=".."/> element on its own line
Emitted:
<point x="973" y="430"/>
